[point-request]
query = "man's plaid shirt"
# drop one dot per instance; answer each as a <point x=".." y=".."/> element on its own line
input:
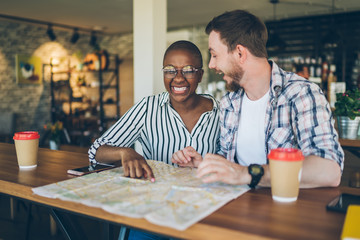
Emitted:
<point x="297" y="115"/>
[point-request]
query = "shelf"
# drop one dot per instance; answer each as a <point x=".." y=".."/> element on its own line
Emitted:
<point x="65" y="107"/>
<point x="108" y="87"/>
<point x="61" y="83"/>
<point x="104" y="87"/>
<point x="61" y="72"/>
<point x="109" y="70"/>
<point x="349" y="142"/>
<point x="351" y="145"/>
<point x="112" y="118"/>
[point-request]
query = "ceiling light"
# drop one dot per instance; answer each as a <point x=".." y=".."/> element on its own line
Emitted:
<point x="93" y="39"/>
<point x="275" y="42"/>
<point x="50" y="33"/>
<point x="332" y="38"/>
<point x="75" y="36"/>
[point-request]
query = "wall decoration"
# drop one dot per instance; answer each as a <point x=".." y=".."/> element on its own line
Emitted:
<point x="28" y="69"/>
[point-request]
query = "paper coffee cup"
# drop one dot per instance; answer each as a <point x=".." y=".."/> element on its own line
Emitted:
<point x="285" y="173"/>
<point x="26" y="145"/>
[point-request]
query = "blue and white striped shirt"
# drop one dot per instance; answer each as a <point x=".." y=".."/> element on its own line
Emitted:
<point x="160" y="130"/>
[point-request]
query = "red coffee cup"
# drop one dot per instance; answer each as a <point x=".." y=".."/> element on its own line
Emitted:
<point x="26" y="145"/>
<point x="285" y="173"/>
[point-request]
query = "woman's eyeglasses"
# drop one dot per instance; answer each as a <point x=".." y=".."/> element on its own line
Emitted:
<point x="187" y="71"/>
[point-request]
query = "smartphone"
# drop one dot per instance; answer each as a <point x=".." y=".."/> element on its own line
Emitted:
<point x="90" y="169"/>
<point x="341" y="202"/>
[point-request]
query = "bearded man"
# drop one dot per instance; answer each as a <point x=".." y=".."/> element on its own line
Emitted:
<point x="266" y="108"/>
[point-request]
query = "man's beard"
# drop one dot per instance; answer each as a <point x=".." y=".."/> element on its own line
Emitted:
<point x="233" y="86"/>
<point x="236" y="77"/>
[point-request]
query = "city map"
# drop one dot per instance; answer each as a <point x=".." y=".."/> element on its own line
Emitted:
<point x="177" y="199"/>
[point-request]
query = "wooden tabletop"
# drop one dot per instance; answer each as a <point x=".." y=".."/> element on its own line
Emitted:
<point x="254" y="215"/>
<point x="349" y="142"/>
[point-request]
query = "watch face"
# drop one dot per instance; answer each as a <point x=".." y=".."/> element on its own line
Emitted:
<point x="256" y="170"/>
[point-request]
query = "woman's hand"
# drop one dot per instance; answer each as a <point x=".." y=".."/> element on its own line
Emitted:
<point x="134" y="164"/>
<point x="188" y="157"/>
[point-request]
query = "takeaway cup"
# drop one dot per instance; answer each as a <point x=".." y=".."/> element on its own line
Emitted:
<point x="285" y="173"/>
<point x="26" y="145"/>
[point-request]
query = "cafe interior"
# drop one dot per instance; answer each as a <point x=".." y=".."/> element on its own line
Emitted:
<point x="70" y="69"/>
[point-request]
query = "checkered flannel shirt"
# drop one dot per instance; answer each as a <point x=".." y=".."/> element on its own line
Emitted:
<point x="297" y="115"/>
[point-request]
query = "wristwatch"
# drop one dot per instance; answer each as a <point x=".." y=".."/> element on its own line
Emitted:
<point x="256" y="171"/>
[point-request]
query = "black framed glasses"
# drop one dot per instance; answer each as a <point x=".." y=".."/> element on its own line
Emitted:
<point x="187" y="71"/>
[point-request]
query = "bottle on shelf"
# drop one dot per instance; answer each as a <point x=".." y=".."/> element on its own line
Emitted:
<point x="325" y="71"/>
<point x="318" y="70"/>
<point x="312" y="67"/>
<point x="313" y="70"/>
<point x="331" y="78"/>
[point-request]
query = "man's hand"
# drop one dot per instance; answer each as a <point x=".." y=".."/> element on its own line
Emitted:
<point x="134" y="165"/>
<point x="215" y="168"/>
<point x="188" y="157"/>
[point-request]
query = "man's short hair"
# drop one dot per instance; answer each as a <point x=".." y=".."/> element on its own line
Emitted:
<point x="241" y="27"/>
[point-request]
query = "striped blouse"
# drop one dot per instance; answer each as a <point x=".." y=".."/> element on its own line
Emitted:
<point x="160" y="130"/>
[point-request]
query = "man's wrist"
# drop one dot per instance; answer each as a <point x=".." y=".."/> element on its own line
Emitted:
<point x="256" y="172"/>
<point x="241" y="175"/>
<point x="245" y="177"/>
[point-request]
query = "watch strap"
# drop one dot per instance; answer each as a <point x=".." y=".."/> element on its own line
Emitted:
<point x="254" y="181"/>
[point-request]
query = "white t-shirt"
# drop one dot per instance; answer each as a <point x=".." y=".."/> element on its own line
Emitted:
<point x="250" y="144"/>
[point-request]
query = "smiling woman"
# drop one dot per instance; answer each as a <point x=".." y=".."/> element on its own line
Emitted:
<point x="164" y="123"/>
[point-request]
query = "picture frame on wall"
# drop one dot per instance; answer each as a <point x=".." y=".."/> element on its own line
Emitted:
<point x="28" y="69"/>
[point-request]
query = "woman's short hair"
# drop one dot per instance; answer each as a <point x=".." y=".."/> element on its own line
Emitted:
<point x="187" y="46"/>
<point x="241" y="27"/>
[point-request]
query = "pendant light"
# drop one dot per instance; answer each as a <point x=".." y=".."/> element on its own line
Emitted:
<point x="332" y="38"/>
<point x="275" y="42"/>
<point x="75" y="36"/>
<point x="51" y="33"/>
<point x="93" y="39"/>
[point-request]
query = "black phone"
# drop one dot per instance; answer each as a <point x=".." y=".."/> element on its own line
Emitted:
<point x="341" y="202"/>
<point x="90" y="169"/>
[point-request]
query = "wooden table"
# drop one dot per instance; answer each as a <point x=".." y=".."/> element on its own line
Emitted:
<point x="352" y="145"/>
<point x="254" y="215"/>
<point x="350" y="142"/>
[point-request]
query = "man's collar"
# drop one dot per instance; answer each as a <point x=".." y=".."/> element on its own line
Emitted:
<point x="277" y="79"/>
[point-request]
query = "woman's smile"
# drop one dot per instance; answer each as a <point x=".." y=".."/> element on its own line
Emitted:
<point x="179" y="90"/>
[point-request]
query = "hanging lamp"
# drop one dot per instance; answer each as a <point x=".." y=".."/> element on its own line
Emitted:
<point x="332" y="38"/>
<point x="50" y="33"/>
<point x="275" y="42"/>
<point x="75" y="37"/>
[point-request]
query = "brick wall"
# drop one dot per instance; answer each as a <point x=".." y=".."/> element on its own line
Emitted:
<point x="31" y="103"/>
